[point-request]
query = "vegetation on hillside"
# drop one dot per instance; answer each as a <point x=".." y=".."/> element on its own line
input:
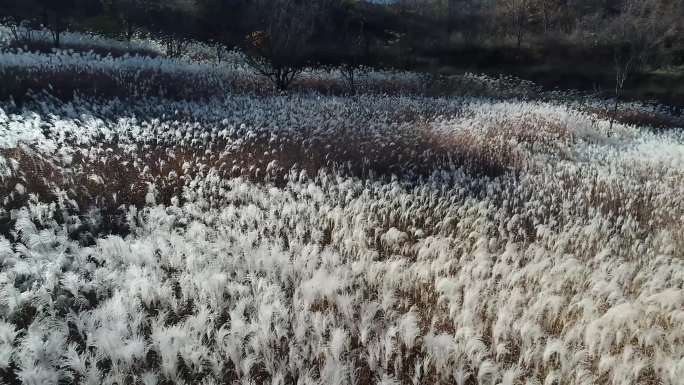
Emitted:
<point x="542" y="39"/>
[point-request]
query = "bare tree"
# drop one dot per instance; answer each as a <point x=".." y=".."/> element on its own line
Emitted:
<point x="354" y="44"/>
<point x="634" y="34"/>
<point x="129" y="14"/>
<point x="280" y="47"/>
<point x="514" y="17"/>
<point x="353" y="62"/>
<point x="548" y="11"/>
<point x="57" y="16"/>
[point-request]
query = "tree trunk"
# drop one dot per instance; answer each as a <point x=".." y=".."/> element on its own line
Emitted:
<point x="621" y="74"/>
<point x="546" y="17"/>
<point x="348" y="74"/>
<point x="281" y="80"/>
<point x="129" y="31"/>
<point x="613" y="115"/>
<point x="57" y="28"/>
<point x="352" y="86"/>
<point x="451" y="16"/>
<point x="519" y="34"/>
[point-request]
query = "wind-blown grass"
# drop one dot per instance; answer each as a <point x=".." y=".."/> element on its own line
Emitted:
<point x="311" y="239"/>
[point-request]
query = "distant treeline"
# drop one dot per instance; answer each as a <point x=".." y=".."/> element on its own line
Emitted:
<point x="586" y="31"/>
<point x="280" y="37"/>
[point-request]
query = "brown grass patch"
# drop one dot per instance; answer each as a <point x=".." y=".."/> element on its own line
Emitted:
<point x="640" y="118"/>
<point x="108" y="176"/>
<point x="22" y="83"/>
